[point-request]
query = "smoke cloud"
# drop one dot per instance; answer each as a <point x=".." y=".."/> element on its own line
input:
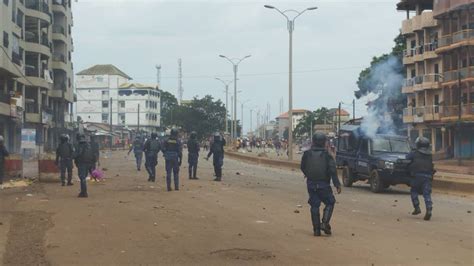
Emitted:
<point x="385" y="79"/>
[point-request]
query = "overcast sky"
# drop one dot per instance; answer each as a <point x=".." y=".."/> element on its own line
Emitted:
<point x="331" y="46"/>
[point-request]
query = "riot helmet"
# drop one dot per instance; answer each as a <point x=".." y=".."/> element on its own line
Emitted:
<point x="154" y="135"/>
<point x="174" y="133"/>
<point x="422" y="144"/>
<point x="319" y="139"/>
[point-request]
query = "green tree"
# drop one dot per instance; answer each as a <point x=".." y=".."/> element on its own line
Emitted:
<point x="168" y="104"/>
<point x="320" y="116"/>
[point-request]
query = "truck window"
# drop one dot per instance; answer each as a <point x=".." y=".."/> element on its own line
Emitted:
<point x="364" y="146"/>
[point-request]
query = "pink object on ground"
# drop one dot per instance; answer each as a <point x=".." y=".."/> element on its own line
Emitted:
<point x="97" y="174"/>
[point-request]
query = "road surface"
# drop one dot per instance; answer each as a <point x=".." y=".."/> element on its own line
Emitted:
<point x="252" y="217"/>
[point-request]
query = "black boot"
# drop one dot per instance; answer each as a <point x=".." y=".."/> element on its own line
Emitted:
<point x="63" y="183"/>
<point x="428" y="214"/>
<point x="416" y="211"/>
<point x="326" y="219"/>
<point x="316" y="220"/>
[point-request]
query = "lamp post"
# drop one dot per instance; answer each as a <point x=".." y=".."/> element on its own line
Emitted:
<point x="291" y="27"/>
<point x="235" y="63"/>
<point x="242" y="115"/>
<point x="226" y="84"/>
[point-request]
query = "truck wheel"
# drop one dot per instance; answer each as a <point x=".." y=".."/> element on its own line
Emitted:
<point x="347" y="176"/>
<point x="376" y="184"/>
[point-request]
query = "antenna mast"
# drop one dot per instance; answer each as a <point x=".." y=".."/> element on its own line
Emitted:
<point x="158" y="75"/>
<point x="180" y="82"/>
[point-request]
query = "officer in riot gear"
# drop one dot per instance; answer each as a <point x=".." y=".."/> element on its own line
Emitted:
<point x="422" y="171"/>
<point x="137" y="148"/>
<point x="151" y="148"/>
<point x="3" y="153"/>
<point x="193" y="155"/>
<point x="64" y="157"/>
<point x="217" y="150"/>
<point x="172" y="151"/>
<point x="85" y="160"/>
<point x="319" y="168"/>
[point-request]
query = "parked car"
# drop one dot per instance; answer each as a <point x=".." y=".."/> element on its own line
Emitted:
<point x="380" y="159"/>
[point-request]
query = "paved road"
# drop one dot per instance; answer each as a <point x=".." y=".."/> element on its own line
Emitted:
<point x="249" y="218"/>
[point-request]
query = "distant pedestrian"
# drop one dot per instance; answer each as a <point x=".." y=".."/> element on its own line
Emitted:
<point x="422" y="171"/>
<point x="173" y="153"/>
<point x="3" y="153"/>
<point x="64" y="157"/>
<point x="217" y="151"/>
<point x="193" y="155"/>
<point x="319" y="168"/>
<point x="137" y="147"/>
<point x="152" y="148"/>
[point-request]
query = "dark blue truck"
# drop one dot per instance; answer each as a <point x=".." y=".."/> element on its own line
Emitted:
<point x="380" y="159"/>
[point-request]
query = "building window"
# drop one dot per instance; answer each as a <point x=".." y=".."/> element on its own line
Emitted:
<point x="105" y="104"/>
<point x="122" y="104"/>
<point x="100" y="79"/>
<point x="5" y="39"/>
<point x="122" y="118"/>
<point x="105" y="93"/>
<point x="5" y="2"/>
<point x="105" y="118"/>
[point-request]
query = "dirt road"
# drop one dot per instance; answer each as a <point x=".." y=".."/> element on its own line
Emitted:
<point x="251" y="218"/>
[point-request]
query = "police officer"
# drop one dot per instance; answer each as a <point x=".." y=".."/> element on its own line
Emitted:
<point x="193" y="155"/>
<point x="152" y="148"/>
<point x="217" y="150"/>
<point x="3" y="153"/>
<point x="85" y="160"/>
<point x="137" y="148"/>
<point x="172" y="151"/>
<point x="422" y="171"/>
<point x="319" y="168"/>
<point x="64" y="156"/>
<point x="96" y="149"/>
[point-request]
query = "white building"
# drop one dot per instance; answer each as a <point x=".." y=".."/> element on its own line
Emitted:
<point x="103" y="90"/>
<point x="283" y="123"/>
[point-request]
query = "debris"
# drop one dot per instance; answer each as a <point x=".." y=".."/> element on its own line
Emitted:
<point x="398" y="219"/>
<point x="29" y="195"/>
<point x="299" y="206"/>
<point x="394" y="205"/>
<point x="238" y="173"/>
<point x="117" y="175"/>
<point x="468" y="211"/>
<point x="396" y="200"/>
<point x="264" y="208"/>
<point x="1" y="223"/>
<point x="353" y="234"/>
<point x="120" y="201"/>
<point x="240" y="234"/>
<point x="152" y="187"/>
<point x="296" y="211"/>
<point x="261" y="222"/>
<point x="155" y="224"/>
<point x="105" y="169"/>
<point x="123" y="251"/>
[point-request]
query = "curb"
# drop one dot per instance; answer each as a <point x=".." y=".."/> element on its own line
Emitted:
<point x="438" y="183"/>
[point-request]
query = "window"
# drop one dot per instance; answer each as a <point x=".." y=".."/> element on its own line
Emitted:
<point x="5" y="2"/>
<point x="122" y="104"/>
<point x="105" y="118"/>
<point x="105" y="93"/>
<point x="100" y="79"/>
<point x="364" y="146"/>
<point x="122" y="118"/>
<point x="105" y="104"/>
<point x="5" y="40"/>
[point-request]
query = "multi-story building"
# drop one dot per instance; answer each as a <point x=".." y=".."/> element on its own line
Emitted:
<point x="439" y="65"/>
<point x="36" y="86"/>
<point x="282" y="121"/>
<point x="105" y="95"/>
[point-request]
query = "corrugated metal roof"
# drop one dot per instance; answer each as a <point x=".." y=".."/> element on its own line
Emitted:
<point x="135" y="85"/>
<point x="103" y="70"/>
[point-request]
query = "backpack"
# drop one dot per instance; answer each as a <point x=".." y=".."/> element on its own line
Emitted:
<point x="154" y="146"/>
<point x="66" y="150"/>
<point x="87" y="155"/>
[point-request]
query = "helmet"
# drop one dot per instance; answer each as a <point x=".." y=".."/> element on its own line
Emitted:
<point x="154" y="135"/>
<point x="81" y="138"/>
<point x="1" y="139"/>
<point x="174" y="132"/>
<point x="422" y="142"/>
<point x="217" y="136"/>
<point x="64" y="137"/>
<point x="193" y="135"/>
<point x="319" y="139"/>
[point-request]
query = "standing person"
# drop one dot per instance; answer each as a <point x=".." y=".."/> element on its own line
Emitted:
<point x="3" y="153"/>
<point x="173" y="153"/>
<point x="64" y="157"/>
<point x="193" y="155"/>
<point x="137" y="148"/>
<point x="152" y="148"/>
<point x="85" y="160"/>
<point x="422" y="171"/>
<point x="319" y="168"/>
<point x="217" y="150"/>
<point x="96" y="149"/>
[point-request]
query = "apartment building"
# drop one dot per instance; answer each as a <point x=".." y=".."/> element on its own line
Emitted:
<point x="439" y="62"/>
<point x="35" y="70"/>
<point x="106" y="95"/>
<point x="282" y="121"/>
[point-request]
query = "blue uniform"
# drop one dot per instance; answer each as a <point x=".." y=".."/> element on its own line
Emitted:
<point x="151" y="148"/>
<point x="422" y="171"/>
<point x="193" y="157"/>
<point x="138" y="148"/>
<point x="320" y="168"/>
<point x="64" y="157"/>
<point x="3" y="153"/>
<point x="172" y="151"/>
<point x="217" y="151"/>
<point x="85" y="161"/>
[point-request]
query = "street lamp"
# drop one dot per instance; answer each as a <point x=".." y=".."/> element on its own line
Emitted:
<point x="291" y="27"/>
<point x="242" y="115"/>
<point x="226" y="84"/>
<point x="235" y="63"/>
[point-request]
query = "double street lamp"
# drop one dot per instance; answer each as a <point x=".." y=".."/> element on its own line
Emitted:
<point x="235" y="63"/>
<point x="226" y="84"/>
<point x="291" y="27"/>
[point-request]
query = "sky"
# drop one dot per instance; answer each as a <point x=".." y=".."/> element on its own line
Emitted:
<point x="331" y="45"/>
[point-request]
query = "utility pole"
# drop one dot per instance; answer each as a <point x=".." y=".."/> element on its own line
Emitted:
<point x="111" y="115"/>
<point x="251" y="126"/>
<point x="459" y="119"/>
<point x="180" y="81"/>
<point x="158" y="75"/>
<point x="226" y="84"/>
<point x="138" y="120"/>
<point x="232" y="115"/>
<point x="339" y="119"/>
<point x="354" y="109"/>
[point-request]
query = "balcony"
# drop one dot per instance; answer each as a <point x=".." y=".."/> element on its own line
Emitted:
<point x="464" y="73"/>
<point x="442" y="7"/>
<point x="408" y="115"/>
<point x="59" y="29"/>
<point x="452" y="112"/>
<point x="432" y="113"/>
<point x="420" y="53"/>
<point x="39" y="9"/>
<point x="455" y="40"/>
<point x="418" y="23"/>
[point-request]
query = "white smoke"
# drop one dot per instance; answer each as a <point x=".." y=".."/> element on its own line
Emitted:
<point x="385" y="77"/>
